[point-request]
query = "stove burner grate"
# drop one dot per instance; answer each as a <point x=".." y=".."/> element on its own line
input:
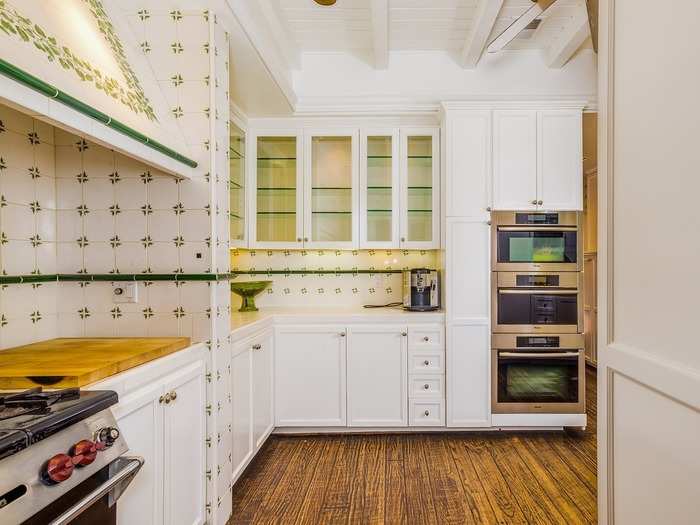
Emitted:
<point x="33" y="401"/>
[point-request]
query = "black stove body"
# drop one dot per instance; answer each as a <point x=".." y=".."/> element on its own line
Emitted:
<point x="61" y="457"/>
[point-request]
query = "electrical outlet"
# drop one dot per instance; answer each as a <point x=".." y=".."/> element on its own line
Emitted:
<point x="125" y="292"/>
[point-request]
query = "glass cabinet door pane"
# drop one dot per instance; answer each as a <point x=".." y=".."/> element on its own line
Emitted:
<point x="379" y="189"/>
<point x="276" y="189"/>
<point x="331" y="189"/>
<point x="420" y="188"/>
<point x="237" y="183"/>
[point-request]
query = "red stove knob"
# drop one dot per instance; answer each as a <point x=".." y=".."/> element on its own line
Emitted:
<point x="59" y="468"/>
<point x="84" y="452"/>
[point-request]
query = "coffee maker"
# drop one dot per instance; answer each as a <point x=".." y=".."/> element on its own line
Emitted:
<point x="421" y="290"/>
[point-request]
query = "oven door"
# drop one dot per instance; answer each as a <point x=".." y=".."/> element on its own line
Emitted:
<point x="538" y="381"/>
<point x="523" y="242"/>
<point x="554" y="306"/>
<point x="94" y="500"/>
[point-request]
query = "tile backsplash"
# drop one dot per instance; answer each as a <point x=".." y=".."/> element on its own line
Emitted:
<point x="301" y="285"/>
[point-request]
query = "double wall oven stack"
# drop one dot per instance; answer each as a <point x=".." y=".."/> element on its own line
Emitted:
<point x="538" y="364"/>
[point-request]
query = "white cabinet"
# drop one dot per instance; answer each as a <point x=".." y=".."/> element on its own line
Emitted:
<point x="161" y="413"/>
<point x="467" y="144"/>
<point x="515" y="160"/>
<point x="537" y="160"/>
<point x="310" y="376"/>
<point x="262" y="376"/>
<point x="377" y="376"/>
<point x="184" y="426"/>
<point x="252" y="419"/>
<point x="560" y="160"/>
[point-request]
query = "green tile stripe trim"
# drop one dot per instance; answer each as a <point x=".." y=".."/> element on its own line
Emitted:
<point x="314" y="272"/>
<point x="111" y="277"/>
<point x="50" y="91"/>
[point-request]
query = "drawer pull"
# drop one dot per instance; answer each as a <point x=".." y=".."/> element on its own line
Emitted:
<point x="426" y="362"/>
<point x="426" y="413"/>
<point x="426" y="386"/>
<point x="426" y="339"/>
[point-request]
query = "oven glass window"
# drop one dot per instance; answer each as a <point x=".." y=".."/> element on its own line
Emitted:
<point x="537" y="308"/>
<point x="537" y="379"/>
<point x="537" y="246"/>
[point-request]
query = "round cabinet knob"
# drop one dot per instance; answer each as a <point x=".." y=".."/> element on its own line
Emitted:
<point x="342" y="334"/>
<point x="426" y="362"/>
<point x="298" y="239"/>
<point x="306" y="239"/>
<point x="534" y="202"/>
<point x="539" y="202"/>
<point x="59" y="468"/>
<point x="257" y="347"/>
<point x="488" y="208"/>
<point x="426" y="339"/>
<point x="108" y="435"/>
<point x="426" y="413"/>
<point x="403" y="334"/>
<point x="84" y="452"/>
<point x="403" y="239"/>
<point x="426" y="386"/>
<point x="173" y="395"/>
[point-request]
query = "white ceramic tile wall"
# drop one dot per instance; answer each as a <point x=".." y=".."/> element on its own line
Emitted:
<point x="27" y="227"/>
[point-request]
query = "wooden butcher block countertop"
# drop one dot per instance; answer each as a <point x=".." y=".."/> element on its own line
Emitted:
<point x="76" y="362"/>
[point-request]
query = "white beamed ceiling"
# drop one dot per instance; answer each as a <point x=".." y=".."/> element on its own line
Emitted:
<point x="414" y="25"/>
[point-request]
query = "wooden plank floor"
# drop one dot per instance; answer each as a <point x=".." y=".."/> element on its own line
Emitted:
<point x="504" y="478"/>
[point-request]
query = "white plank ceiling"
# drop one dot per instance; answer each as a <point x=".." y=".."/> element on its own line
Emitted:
<point x="415" y="25"/>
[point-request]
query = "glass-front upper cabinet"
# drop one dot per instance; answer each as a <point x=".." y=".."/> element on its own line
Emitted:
<point x="278" y="197"/>
<point x="236" y="185"/>
<point x="331" y="196"/>
<point x="420" y="190"/>
<point x="379" y="188"/>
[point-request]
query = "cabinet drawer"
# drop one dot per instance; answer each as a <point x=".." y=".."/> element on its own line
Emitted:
<point x="426" y="413"/>
<point x="427" y="386"/>
<point x="426" y="361"/>
<point x="425" y="337"/>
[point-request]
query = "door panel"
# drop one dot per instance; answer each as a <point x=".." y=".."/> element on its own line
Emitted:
<point x="310" y="376"/>
<point x="241" y="404"/>
<point x="263" y="420"/>
<point x="515" y="160"/>
<point x="377" y="376"/>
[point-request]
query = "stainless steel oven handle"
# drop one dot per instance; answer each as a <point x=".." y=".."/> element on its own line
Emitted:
<point x="123" y="475"/>
<point x="554" y="227"/>
<point x="538" y="354"/>
<point x="545" y="291"/>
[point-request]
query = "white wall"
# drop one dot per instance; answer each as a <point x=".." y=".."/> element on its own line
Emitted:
<point x="649" y="363"/>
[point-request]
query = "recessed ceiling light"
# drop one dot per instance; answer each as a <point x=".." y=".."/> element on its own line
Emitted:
<point x="325" y="2"/>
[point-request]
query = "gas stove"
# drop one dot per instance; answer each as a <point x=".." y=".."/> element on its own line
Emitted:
<point x="57" y="443"/>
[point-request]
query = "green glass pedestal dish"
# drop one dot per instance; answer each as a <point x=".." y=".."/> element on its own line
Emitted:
<point x="248" y="290"/>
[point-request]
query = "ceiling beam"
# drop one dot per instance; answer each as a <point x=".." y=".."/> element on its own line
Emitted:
<point x="380" y="33"/>
<point x="485" y="18"/>
<point x="569" y="40"/>
<point x="512" y="31"/>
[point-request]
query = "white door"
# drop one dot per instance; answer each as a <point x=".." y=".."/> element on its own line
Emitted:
<point x="420" y="188"/>
<point x="331" y="189"/>
<point x="241" y="405"/>
<point x="263" y="421"/>
<point x="377" y="376"/>
<point x="140" y="419"/>
<point x="184" y="478"/>
<point x="648" y="259"/>
<point x="379" y="188"/>
<point x="275" y="189"/>
<point x="310" y="376"/>
<point x="468" y="158"/>
<point x="515" y="160"/>
<point x="560" y="160"/>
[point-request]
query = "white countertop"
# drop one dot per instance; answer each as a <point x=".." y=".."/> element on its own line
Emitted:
<point x="245" y="323"/>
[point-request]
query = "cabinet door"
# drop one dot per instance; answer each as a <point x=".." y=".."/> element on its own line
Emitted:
<point x="241" y="404"/>
<point x="140" y="418"/>
<point x="276" y="203"/>
<point x="468" y="158"/>
<point x="184" y="438"/>
<point x="331" y="196"/>
<point x="514" y="160"/>
<point x="468" y="375"/>
<point x="560" y="160"/>
<point x="237" y="186"/>
<point x="310" y="376"/>
<point x="420" y="188"/>
<point x="379" y="188"/>
<point x="377" y="376"/>
<point x="263" y="420"/>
